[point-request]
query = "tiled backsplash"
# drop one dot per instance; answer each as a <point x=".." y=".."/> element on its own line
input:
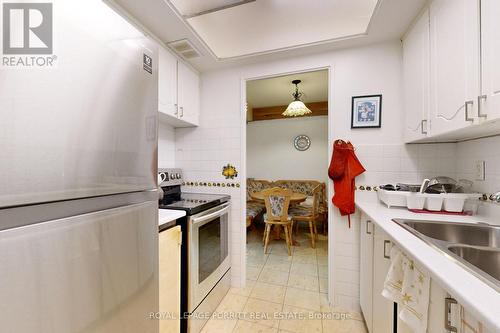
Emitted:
<point x="487" y="150"/>
<point x="399" y="163"/>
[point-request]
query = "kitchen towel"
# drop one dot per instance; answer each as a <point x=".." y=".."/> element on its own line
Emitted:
<point x="408" y="285"/>
<point x="344" y="168"/>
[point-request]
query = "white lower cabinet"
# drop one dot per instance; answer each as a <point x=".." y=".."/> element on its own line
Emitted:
<point x="383" y="309"/>
<point x="170" y="279"/>
<point x="375" y="247"/>
<point x="366" y="271"/>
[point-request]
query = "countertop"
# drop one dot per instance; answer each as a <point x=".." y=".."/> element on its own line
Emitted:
<point x="472" y="293"/>
<point x="167" y="217"/>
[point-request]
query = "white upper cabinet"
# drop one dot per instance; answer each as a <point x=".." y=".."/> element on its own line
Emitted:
<point x="178" y="91"/>
<point x="455" y="64"/>
<point x="489" y="100"/>
<point x="167" y="83"/>
<point x="416" y="71"/>
<point x="189" y="94"/>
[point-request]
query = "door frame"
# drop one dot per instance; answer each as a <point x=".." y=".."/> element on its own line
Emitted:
<point x="265" y="74"/>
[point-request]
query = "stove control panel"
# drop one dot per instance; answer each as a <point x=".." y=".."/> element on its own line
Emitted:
<point x="170" y="177"/>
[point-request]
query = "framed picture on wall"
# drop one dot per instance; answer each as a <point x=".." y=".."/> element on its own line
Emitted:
<point x="366" y="111"/>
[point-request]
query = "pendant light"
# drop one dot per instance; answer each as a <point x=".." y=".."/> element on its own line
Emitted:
<point x="297" y="107"/>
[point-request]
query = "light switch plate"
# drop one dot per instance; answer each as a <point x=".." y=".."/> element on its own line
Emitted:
<point x="479" y="167"/>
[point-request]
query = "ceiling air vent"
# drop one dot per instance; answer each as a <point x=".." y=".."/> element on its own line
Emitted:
<point x="184" y="48"/>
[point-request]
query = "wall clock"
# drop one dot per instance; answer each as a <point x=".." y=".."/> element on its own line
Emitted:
<point x="302" y="142"/>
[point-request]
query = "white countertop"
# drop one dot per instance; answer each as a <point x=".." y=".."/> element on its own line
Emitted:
<point x="169" y="215"/>
<point x="476" y="296"/>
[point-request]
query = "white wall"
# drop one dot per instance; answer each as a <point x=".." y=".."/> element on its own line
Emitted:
<point x="271" y="154"/>
<point x="166" y="146"/>
<point x="374" y="69"/>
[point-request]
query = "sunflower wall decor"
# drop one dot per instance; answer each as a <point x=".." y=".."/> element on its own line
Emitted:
<point x="229" y="171"/>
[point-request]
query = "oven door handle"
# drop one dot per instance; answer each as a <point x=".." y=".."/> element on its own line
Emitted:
<point x="210" y="216"/>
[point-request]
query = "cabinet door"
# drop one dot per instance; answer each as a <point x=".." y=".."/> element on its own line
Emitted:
<point x="383" y="309"/>
<point x="167" y="83"/>
<point x="416" y="58"/>
<point x="366" y="270"/>
<point x="170" y="279"/>
<point x="454" y="64"/>
<point x="189" y="94"/>
<point x="490" y="34"/>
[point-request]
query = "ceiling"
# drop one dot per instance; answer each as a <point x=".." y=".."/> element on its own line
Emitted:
<point x="263" y="26"/>
<point x="251" y="31"/>
<point x="278" y="90"/>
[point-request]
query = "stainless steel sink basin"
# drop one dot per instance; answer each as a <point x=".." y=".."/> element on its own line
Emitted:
<point x="475" y="246"/>
<point x="461" y="233"/>
<point x="485" y="258"/>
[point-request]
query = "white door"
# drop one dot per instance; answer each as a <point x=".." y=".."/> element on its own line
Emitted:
<point x="416" y="58"/>
<point x="490" y="35"/>
<point x="170" y="278"/>
<point x="454" y="64"/>
<point x="366" y="271"/>
<point x="167" y="83"/>
<point x="383" y="309"/>
<point x="189" y="94"/>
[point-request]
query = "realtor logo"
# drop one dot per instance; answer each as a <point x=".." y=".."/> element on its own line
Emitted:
<point x="27" y="28"/>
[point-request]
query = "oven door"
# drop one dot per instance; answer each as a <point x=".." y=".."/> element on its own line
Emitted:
<point x="208" y="252"/>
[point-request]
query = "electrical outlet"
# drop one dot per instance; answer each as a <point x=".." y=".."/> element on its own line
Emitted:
<point x="479" y="167"/>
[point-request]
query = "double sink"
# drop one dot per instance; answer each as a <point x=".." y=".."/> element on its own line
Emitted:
<point x="475" y="246"/>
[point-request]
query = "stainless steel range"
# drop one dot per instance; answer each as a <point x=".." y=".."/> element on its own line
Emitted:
<point x="205" y="276"/>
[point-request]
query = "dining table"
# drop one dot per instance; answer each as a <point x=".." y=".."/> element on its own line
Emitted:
<point x="295" y="199"/>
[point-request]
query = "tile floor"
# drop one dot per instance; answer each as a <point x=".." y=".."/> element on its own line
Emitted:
<point x="286" y="294"/>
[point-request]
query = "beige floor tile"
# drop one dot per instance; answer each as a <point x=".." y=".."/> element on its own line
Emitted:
<point x="247" y="327"/>
<point x="253" y="272"/>
<point x="232" y="303"/>
<point x="243" y="291"/>
<point x="307" y="269"/>
<point x="279" y="258"/>
<point x="311" y="259"/>
<point x="322" y="260"/>
<point x="263" y="312"/>
<point x="343" y="325"/>
<point x="279" y="265"/>
<point x="268" y="292"/>
<point x="303" y="299"/>
<point x="279" y="247"/>
<point x="301" y="281"/>
<point x="323" y="285"/>
<point x="273" y="276"/>
<point x="304" y="250"/>
<point x="256" y="259"/>
<point x="322" y="251"/>
<point x="298" y="320"/>
<point x="219" y="326"/>
<point x="323" y="271"/>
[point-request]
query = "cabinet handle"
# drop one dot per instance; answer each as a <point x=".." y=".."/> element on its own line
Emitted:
<point x="386" y="256"/>
<point x="479" y="103"/>
<point x="448" y="301"/>
<point x="367" y="223"/>
<point x="467" y="110"/>
<point x="182" y="111"/>
<point x="424" y="121"/>
<point x="176" y="112"/>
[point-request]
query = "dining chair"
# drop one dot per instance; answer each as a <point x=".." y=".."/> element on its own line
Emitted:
<point x="308" y="214"/>
<point x="277" y="201"/>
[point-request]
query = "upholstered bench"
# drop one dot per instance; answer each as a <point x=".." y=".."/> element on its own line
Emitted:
<point x="254" y="208"/>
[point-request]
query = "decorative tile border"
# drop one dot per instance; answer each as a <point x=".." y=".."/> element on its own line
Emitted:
<point x="368" y="188"/>
<point x="211" y="184"/>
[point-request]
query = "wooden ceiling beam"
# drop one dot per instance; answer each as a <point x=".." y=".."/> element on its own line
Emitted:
<point x="275" y="112"/>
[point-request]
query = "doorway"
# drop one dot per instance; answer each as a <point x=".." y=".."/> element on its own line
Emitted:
<point x="292" y="153"/>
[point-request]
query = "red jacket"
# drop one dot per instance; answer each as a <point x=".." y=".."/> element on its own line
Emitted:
<point x="344" y="167"/>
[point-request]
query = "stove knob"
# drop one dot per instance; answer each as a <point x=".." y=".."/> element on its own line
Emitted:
<point x="178" y="176"/>
<point x="172" y="176"/>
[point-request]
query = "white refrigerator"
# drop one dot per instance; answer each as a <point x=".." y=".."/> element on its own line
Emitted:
<point x="78" y="169"/>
